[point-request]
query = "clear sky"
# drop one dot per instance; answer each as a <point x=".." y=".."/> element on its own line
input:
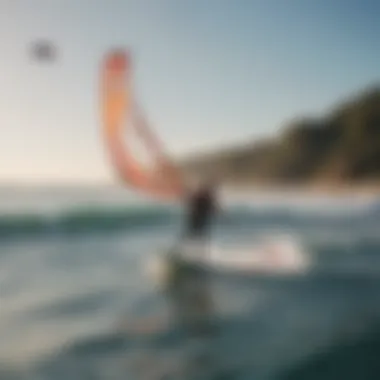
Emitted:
<point x="208" y="72"/>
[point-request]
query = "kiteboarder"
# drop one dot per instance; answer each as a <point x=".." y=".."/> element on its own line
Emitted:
<point x="201" y="207"/>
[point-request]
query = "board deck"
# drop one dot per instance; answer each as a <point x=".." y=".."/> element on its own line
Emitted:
<point x="270" y="257"/>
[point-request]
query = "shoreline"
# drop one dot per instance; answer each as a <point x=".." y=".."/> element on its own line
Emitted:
<point x="371" y="190"/>
<point x="367" y="189"/>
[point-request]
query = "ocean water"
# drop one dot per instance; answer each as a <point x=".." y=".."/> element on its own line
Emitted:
<point x="76" y="302"/>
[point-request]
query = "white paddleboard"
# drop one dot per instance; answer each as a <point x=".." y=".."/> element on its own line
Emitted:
<point x="271" y="257"/>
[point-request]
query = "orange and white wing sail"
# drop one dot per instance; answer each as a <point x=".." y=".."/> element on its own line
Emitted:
<point x="120" y="115"/>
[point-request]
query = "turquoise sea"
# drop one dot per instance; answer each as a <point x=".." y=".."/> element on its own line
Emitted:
<point x="76" y="303"/>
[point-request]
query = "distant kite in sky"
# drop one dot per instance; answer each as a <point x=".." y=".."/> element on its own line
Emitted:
<point x="44" y="51"/>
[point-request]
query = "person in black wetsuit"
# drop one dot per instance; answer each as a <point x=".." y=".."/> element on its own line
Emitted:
<point x="195" y="306"/>
<point x="201" y="209"/>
